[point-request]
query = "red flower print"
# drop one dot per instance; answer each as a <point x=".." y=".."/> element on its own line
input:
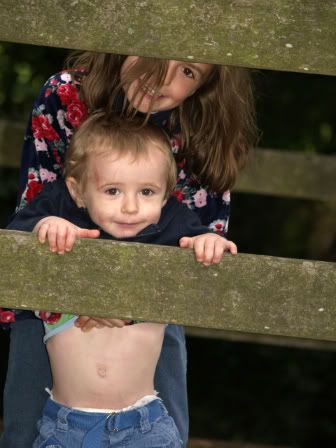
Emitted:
<point x="175" y="144"/>
<point x="47" y="92"/>
<point x="42" y="128"/>
<point x="57" y="157"/>
<point x="50" y="318"/>
<point x="218" y="226"/>
<point x="182" y="163"/>
<point x="76" y="113"/>
<point x="7" y="316"/>
<point x="178" y="195"/>
<point x="67" y="93"/>
<point x="33" y="190"/>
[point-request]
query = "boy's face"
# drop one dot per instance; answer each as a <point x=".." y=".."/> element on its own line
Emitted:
<point x="123" y="195"/>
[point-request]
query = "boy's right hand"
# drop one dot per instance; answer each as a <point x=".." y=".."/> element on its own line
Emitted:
<point x="61" y="234"/>
<point x="86" y="323"/>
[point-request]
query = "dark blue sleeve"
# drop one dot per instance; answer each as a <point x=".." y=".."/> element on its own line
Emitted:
<point x="43" y="205"/>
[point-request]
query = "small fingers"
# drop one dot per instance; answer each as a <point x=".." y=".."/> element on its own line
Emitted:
<point x="210" y="248"/>
<point x="42" y="233"/>
<point x="70" y="239"/>
<point x="199" y="249"/>
<point x="87" y="233"/>
<point x="91" y="323"/>
<point x="232" y="248"/>
<point x="208" y="251"/>
<point x="81" y="321"/>
<point x="186" y="242"/>
<point x="51" y="236"/>
<point x="61" y="236"/>
<point x="87" y="323"/>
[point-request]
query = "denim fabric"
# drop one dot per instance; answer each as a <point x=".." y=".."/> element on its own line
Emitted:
<point x="29" y="373"/>
<point x="171" y="378"/>
<point x="144" y="427"/>
<point x="27" y="376"/>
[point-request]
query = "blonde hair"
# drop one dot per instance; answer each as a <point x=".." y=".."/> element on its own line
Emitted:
<point x="217" y="122"/>
<point x="103" y="134"/>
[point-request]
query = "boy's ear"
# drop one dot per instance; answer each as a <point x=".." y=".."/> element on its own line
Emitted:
<point x="164" y="202"/>
<point x="75" y="191"/>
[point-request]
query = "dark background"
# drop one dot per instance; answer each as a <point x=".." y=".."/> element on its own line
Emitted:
<point x="238" y="391"/>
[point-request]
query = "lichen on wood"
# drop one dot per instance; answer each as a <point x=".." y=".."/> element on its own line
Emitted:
<point x="280" y="35"/>
<point x="245" y="293"/>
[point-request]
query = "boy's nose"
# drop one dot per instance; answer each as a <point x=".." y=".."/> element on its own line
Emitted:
<point x="129" y="205"/>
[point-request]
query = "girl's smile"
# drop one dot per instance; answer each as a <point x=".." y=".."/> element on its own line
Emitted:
<point x="181" y="81"/>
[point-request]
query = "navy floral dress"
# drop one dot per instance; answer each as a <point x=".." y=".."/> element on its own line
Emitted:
<point x="56" y="114"/>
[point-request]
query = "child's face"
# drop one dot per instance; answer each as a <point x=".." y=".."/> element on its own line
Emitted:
<point x="182" y="80"/>
<point x="124" y="195"/>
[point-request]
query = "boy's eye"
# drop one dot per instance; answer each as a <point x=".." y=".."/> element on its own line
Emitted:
<point x="147" y="192"/>
<point x="112" y="191"/>
<point x="188" y="72"/>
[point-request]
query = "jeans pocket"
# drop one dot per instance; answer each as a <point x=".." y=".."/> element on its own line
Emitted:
<point x="163" y="434"/>
<point x="46" y="438"/>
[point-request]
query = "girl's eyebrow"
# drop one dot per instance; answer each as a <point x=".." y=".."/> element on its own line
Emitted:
<point x="198" y="68"/>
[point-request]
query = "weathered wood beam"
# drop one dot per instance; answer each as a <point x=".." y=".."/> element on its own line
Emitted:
<point x="264" y="339"/>
<point x="291" y="174"/>
<point x="246" y="293"/>
<point x="275" y="172"/>
<point x="278" y="35"/>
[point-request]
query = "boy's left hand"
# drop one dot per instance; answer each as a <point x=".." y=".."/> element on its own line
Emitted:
<point x="209" y="248"/>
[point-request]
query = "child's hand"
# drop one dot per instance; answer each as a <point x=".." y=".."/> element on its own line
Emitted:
<point x="86" y="323"/>
<point x="209" y="248"/>
<point x="61" y="234"/>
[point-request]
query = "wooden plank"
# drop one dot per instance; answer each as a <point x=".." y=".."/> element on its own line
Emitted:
<point x="281" y="35"/>
<point x="290" y="173"/>
<point x="246" y="293"/>
<point x="284" y="173"/>
<point x="264" y="339"/>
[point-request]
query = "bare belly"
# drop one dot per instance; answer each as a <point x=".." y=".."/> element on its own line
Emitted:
<point x="107" y="368"/>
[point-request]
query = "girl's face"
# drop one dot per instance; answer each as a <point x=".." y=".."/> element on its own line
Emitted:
<point x="181" y="81"/>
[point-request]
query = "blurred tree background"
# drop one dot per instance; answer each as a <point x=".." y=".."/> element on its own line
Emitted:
<point x="238" y="391"/>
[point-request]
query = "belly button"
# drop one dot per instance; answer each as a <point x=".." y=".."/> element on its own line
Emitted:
<point x="101" y="370"/>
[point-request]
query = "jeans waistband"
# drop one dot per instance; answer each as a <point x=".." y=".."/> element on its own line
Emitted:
<point x="112" y="421"/>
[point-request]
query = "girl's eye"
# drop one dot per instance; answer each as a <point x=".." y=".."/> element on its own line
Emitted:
<point x="112" y="191"/>
<point x="147" y="192"/>
<point x="188" y="72"/>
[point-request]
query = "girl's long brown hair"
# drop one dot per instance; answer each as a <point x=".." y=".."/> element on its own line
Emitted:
<point x="217" y="122"/>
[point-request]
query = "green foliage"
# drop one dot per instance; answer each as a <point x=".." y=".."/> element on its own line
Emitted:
<point x="297" y="111"/>
<point x="24" y="69"/>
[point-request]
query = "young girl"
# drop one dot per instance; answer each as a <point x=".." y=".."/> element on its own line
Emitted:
<point x="208" y="112"/>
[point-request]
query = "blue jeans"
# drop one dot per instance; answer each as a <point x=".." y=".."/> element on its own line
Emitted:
<point x="146" y="426"/>
<point x="29" y="373"/>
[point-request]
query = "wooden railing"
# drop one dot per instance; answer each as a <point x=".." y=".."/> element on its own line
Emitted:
<point x="247" y="294"/>
<point x="278" y="35"/>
